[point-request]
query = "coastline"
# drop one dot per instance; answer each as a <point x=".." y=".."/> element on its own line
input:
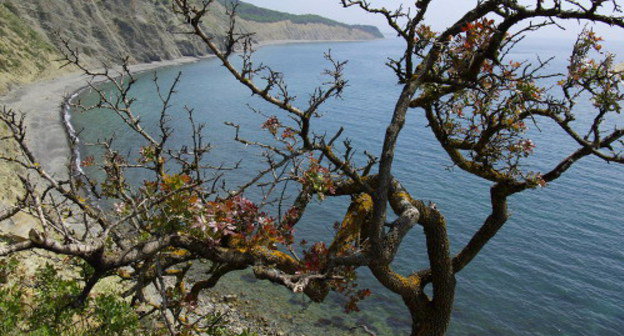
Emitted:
<point x="282" y="42"/>
<point x="43" y="104"/>
<point x="49" y="130"/>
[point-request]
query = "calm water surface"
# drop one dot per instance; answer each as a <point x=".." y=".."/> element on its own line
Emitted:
<point x="556" y="268"/>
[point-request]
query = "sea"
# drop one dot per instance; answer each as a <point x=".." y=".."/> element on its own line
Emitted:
<point x="555" y="268"/>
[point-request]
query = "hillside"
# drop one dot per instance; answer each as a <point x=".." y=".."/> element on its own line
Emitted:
<point x="250" y="12"/>
<point x="142" y="29"/>
<point x="24" y="52"/>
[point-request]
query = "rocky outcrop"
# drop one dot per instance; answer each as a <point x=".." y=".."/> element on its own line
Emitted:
<point x="145" y="30"/>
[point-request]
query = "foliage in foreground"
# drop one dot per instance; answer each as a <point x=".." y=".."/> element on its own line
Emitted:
<point x="40" y="303"/>
<point x="478" y="102"/>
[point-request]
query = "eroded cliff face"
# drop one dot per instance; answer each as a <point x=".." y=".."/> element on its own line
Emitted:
<point x="103" y="31"/>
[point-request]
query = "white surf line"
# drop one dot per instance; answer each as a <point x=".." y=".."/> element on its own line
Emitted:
<point x="71" y="131"/>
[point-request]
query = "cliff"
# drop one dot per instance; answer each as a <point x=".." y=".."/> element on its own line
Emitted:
<point x="145" y="30"/>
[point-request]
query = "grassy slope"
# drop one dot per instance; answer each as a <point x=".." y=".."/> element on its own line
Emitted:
<point x="9" y="186"/>
<point x="24" y="53"/>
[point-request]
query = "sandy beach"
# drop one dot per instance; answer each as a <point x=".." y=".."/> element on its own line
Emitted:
<point x="42" y="103"/>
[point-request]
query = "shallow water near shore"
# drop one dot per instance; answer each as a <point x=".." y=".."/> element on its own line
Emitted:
<point x="556" y="268"/>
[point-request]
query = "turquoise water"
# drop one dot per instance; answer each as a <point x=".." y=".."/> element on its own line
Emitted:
<point x="556" y="268"/>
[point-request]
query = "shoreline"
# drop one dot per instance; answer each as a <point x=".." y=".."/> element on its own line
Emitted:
<point x="41" y="101"/>
<point x="65" y="108"/>
<point x="283" y="42"/>
<point x="70" y="133"/>
<point x="44" y="103"/>
<point x="49" y="133"/>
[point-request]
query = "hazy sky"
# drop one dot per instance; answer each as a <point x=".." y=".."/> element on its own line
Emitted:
<point x="441" y="13"/>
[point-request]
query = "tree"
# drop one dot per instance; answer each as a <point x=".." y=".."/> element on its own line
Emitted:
<point x="476" y="100"/>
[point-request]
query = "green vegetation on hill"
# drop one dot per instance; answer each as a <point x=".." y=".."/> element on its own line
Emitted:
<point x="23" y="51"/>
<point x="250" y="12"/>
<point x="19" y="40"/>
